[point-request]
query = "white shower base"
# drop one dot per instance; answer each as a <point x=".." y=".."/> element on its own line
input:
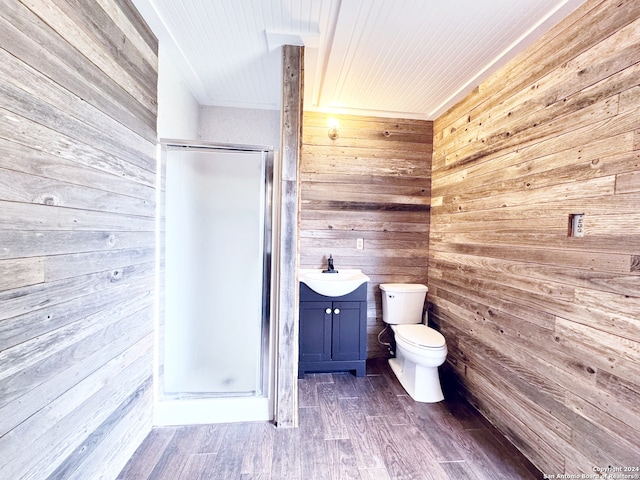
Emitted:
<point x="192" y="411"/>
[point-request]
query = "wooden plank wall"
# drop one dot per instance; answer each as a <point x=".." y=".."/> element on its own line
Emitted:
<point x="77" y="183"/>
<point x="373" y="182"/>
<point x="543" y="329"/>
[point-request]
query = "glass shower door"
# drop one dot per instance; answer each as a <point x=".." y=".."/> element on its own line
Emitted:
<point x="217" y="271"/>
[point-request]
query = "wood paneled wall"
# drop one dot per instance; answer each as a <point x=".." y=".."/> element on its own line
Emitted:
<point x="373" y="182"/>
<point x="77" y="174"/>
<point x="543" y="329"/>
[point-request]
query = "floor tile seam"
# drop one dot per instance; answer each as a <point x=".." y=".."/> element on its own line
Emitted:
<point x="331" y="437"/>
<point x="371" y="417"/>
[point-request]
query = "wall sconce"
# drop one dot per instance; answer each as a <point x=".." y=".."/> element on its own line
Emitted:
<point x="333" y="128"/>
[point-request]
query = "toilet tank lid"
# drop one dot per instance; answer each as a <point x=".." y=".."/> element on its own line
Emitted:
<point x="421" y="335"/>
<point x="403" y="287"/>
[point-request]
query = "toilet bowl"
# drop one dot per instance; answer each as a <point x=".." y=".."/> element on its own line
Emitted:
<point x="420" y="350"/>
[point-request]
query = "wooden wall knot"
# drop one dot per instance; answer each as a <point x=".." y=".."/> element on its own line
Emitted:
<point x="116" y="275"/>
<point x="49" y="200"/>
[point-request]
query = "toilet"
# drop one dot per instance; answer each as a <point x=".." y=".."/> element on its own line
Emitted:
<point x="420" y="350"/>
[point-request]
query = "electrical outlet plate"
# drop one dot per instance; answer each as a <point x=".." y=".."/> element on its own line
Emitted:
<point x="360" y="243"/>
<point x="576" y="221"/>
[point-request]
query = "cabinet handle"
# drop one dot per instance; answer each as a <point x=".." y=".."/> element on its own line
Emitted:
<point x="328" y="311"/>
<point x="336" y="311"/>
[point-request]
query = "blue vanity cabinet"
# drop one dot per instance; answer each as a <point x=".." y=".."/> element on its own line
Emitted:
<point x="315" y="331"/>
<point x="333" y="332"/>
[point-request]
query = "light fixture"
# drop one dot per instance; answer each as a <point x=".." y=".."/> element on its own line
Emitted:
<point x="333" y="128"/>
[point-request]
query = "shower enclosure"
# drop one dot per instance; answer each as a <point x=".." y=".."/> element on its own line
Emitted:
<point x="215" y="340"/>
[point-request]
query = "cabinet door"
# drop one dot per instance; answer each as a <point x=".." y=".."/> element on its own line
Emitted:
<point x="315" y="331"/>
<point x="349" y="330"/>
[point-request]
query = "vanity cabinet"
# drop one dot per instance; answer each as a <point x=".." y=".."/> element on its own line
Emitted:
<point x="333" y="332"/>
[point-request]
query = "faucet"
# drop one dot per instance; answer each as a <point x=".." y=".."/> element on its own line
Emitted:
<point x="330" y="268"/>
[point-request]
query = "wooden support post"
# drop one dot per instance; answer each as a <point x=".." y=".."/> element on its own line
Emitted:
<point x="291" y="138"/>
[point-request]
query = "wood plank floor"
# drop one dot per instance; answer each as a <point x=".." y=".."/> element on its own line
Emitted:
<point x="350" y="428"/>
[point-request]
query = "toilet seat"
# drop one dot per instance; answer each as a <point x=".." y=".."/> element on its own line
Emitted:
<point x="420" y="335"/>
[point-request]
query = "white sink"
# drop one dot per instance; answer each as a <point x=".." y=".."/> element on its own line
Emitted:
<point x="332" y="284"/>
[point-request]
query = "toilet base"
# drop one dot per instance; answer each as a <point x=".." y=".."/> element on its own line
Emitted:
<point x="420" y="382"/>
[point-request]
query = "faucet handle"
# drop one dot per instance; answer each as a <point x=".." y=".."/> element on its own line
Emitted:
<point x="330" y="268"/>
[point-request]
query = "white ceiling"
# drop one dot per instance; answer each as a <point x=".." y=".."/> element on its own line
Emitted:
<point x="392" y="58"/>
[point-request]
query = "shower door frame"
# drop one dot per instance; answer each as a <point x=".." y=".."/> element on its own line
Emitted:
<point x="168" y="406"/>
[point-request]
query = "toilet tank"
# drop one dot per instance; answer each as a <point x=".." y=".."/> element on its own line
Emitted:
<point x="402" y="302"/>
